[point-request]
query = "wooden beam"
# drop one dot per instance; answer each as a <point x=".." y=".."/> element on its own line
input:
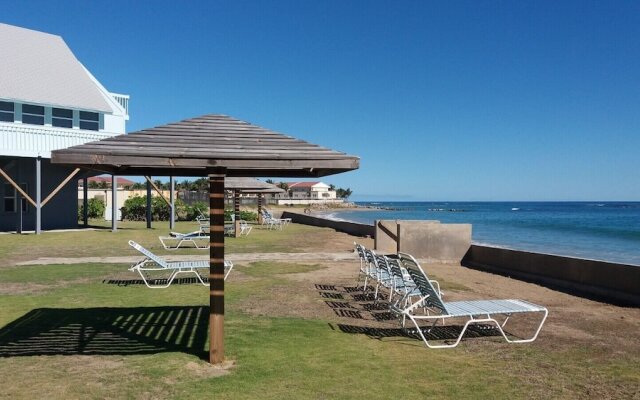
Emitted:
<point x="216" y="267"/>
<point x="17" y="187"/>
<point x="155" y="187"/>
<point x="60" y="186"/>
<point x="148" y="204"/>
<point x="260" y="208"/>
<point x="236" y="212"/>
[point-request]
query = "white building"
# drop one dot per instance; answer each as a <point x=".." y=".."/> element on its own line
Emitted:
<point x="308" y="191"/>
<point x="48" y="101"/>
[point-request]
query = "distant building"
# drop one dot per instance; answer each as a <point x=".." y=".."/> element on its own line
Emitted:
<point x="308" y="191"/>
<point x="106" y="182"/>
<point x="48" y="101"/>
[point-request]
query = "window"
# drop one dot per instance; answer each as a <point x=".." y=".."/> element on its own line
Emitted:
<point x="89" y="120"/>
<point x="62" y="118"/>
<point x="7" y="111"/>
<point x="32" y="114"/>
<point x="9" y="198"/>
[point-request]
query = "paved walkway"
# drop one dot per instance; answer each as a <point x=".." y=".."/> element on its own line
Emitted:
<point x="235" y="257"/>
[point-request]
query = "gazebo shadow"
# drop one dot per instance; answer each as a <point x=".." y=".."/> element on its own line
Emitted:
<point x="107" y="331"/>
<point x="155" y="282"/>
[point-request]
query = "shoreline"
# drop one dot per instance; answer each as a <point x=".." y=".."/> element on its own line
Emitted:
<point x="328" y="214"/>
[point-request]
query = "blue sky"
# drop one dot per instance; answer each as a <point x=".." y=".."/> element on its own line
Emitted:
<point x="470" y="100"/>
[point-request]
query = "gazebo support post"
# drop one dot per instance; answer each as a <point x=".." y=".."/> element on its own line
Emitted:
<point x="236" y="212"/>
<point x="85" y="201"/>
<point x="260" y="208"/>
<point x="172" y="205"/>
<point x="216" y="266"/>
<point x="114" y="203"/>
<point x="148" y="204"/>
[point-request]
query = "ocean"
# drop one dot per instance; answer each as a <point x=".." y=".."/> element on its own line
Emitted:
<point x="607" y="231"/>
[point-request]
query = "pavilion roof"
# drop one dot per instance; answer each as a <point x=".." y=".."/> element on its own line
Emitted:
<point x="250" y="185"/>
<point x="196" y="146"/>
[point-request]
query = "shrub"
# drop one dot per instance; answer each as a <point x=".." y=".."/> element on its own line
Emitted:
<point x="135" y="209"/>
<point x="193" y="211"/>
<point x="245" y="215"/>
<point x="95" y="209"/>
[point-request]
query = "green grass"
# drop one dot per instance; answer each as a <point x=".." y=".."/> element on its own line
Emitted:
<point x="87" y="337"/>
<point x="103" y="242"/>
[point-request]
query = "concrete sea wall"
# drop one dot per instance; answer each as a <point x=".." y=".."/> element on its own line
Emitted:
<point x="616" y="283"/>
<point x="352" y="228"/>
<point x="431" y="241"/>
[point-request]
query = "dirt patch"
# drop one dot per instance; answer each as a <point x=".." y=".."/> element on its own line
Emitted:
<point x="32" y="288"/>
<point x="205" y="370"/>
<point x="329" y="293"/>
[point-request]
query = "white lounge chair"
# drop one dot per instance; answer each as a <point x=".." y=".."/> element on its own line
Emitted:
<point x="475" y="312"/>
<point x="155" y="263"/>
<point x="198" y="240"/>
<point x="245" y="229"/>
<point x="274" y="223"/>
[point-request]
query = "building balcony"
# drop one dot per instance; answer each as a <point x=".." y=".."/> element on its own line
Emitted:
<point x="23" y="140"/>
<point x="123" y="100"/>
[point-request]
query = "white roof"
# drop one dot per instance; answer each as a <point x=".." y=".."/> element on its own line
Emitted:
<point x="40" y="68"/>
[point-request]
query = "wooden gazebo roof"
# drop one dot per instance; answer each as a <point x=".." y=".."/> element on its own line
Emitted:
<point x="250" y="185"/>
<point x="195" y="146"/>
<point x="218" y="146"/>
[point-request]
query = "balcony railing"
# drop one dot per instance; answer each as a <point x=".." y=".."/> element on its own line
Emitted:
<point x="123" y="100"/>
<point x="25" y="140"/>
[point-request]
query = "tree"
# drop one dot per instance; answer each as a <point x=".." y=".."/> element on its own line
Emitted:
<point x="332" y="187"/>
<point x="343" y="193"/>
<point x="269" y="181"/>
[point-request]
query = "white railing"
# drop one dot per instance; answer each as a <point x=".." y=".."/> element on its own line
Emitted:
<point x="24" y="140"/>
<point x="123" y="100"/>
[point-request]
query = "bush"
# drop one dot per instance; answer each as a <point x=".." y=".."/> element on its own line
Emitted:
<point x="135" y="209"/>
<point x="193" y="211"/>
<point x="245" y="215"/>
<point x="95" y="209"/>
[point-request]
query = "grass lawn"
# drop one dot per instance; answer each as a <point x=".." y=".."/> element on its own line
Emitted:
<point x="102" y="242"/>
<point x="80" y="331"/>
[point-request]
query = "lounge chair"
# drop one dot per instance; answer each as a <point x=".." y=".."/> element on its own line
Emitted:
<point x="274" y="223"/>
<point x="475" y="312"/>
<point x="387" y="272"/>
<point x="155" y="263"/>
<point x="245" y="229"/>
<point x="198" y="240"/>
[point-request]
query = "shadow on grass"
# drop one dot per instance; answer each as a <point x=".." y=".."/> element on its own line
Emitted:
<point x="155" y="282"/>
<point x="449" y="332"/>
<point x="107" y="331"/>
<point x="364" y="306"/>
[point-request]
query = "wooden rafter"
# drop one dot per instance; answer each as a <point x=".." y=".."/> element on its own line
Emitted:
<point x="60" y="186"/>
<point x="157" y="189"/>
<point x="17" y="187"/>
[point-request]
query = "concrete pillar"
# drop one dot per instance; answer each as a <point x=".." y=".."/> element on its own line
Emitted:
<point x="216" y="268"/>
<point x="85" y="202"/>
<point x="19" y="214"/>
<point x="38" y="195"/>
<point x="172" y="201"/>
<point x="148" y="205"/>
<point x="114" y="203"/>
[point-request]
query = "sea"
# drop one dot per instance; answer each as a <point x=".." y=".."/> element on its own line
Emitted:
<point x="606" y="231"/>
